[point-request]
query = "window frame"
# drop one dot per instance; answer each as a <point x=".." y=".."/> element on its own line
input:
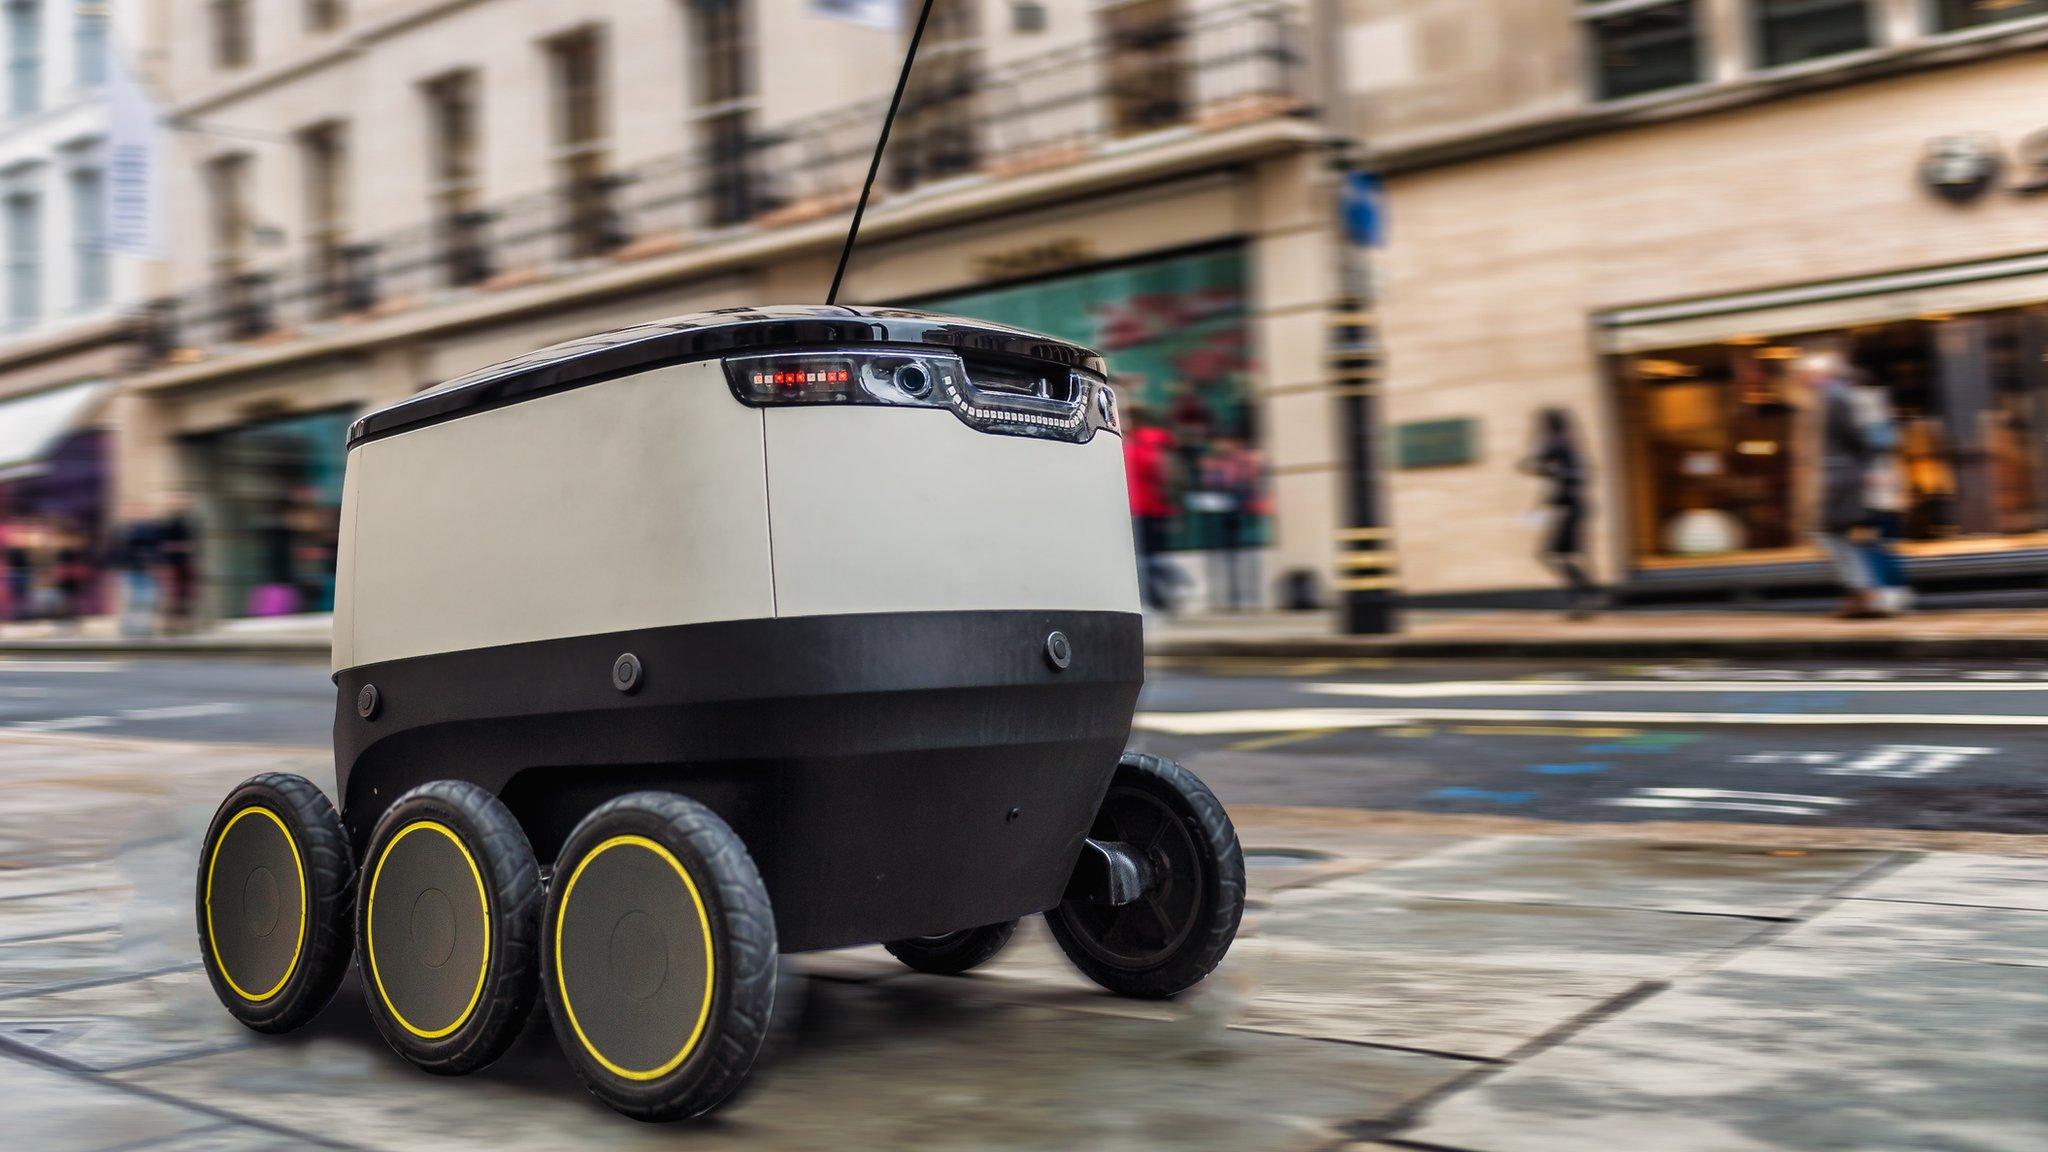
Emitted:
<point x="25" y="64"/>
<point x="230" y="34"/>
<point x="1753" y="13"/>
<point x="91" y="266"/>
<point x="1587" y="16"/>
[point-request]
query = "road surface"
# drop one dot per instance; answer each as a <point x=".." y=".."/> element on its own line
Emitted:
<point x="1951" y="746"/>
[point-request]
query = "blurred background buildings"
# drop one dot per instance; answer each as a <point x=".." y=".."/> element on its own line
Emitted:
<point x="1638" y="210"/>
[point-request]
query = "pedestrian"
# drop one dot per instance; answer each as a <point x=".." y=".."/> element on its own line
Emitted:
<point x="1233" y="478"/>
<point x="1559" y="461"/>
<point x="72" y="572"/>
<point x="135" y="552"/>
<point x="1148" y="455"/>
<point x="21" y="569"/>
<point x="177" y="547"/>
<point x="1845" y="460"/>
<point x="1884" y="496"/>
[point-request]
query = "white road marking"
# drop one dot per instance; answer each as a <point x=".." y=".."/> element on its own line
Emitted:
<point x="181" y="711"/>
<point x="1472" y="688"/>
<point x="1289" y="719"/>
<point x="61" y="724"/>
<point x="1727" y="800"/>
<point x="62" y="665"/>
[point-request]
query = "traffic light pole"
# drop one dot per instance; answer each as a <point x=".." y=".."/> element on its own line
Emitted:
<point x="1365" y="582"/>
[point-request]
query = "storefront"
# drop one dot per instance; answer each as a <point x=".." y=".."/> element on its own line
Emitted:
<point x="270" y="503"/>
<point x="1176" y="333"/>
<point x="53" y="502"/>
<point x="1721" y="451"/>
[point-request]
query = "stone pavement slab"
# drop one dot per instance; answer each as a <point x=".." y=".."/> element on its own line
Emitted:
<point x="42" y="1108"/>
<point x="1959" y="878"/>
<point x="1694" y="878"/>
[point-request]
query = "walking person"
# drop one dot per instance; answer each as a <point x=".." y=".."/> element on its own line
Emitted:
<point x="178" y="548"/>
<point x="21" y="569"/>
<point x="1148" y="453"/>
<point x="1559" y="461"/>
<point x="1845" y="459"/>
<point x="135" y="552"/>
<point x="1884" y="497"/>
<point x="1233" y="475"/>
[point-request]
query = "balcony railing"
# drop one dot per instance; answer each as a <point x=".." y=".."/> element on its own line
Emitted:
<point x="1212" y="68"/>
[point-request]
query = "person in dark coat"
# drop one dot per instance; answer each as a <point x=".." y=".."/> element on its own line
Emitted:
<point x="1558" y="460"/>
<point x="1846" y="456"/>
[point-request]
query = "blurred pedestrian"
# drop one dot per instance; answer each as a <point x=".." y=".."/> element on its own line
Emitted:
<point x="1884" y="496"/>
<point x="72" y="572"/>
<point x="1845" y="459"/>
<point x="1558" y="460"/>
<point x="177" y="546"/>
<point x="134" y="551"/>
<point x="1148" y="455"/>
<point x="21" y="569"/>
<point x="1233" y="477"/>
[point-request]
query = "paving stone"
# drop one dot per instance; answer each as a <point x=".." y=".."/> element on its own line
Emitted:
<point x="1614" y="942"/>
<point x="109" y="1026"/>
<point x="1886" y="930"/>
<point x="923" y="1063"/>
<point x="1438" y="1004"/>
<point x="1699" y="878"/>
<point x="1989" y="881"/>
<point x="46" y="1110"/>
<point x="1935" y="1056"/>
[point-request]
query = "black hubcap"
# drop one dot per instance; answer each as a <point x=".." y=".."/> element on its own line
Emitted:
<point x="1148" y="930"/>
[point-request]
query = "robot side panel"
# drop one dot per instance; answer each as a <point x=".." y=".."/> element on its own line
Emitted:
<point x="904" y="510"/>
<point x="635" y="503"/>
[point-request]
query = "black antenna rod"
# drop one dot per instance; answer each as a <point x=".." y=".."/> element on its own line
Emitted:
<point x="875" y="165"/>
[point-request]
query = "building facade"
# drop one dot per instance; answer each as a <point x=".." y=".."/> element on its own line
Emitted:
<point x="66" y="297"/>
<point x="373" y="197"/>
<point x="1645" y="212"/>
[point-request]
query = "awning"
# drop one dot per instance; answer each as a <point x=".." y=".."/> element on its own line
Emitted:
<point x="31" y="427"/>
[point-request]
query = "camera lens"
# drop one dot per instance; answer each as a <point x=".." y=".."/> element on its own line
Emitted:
<point x="913" y="380"/>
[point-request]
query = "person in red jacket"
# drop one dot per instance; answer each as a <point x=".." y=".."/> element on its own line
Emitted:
<point x="1148" y="455"/>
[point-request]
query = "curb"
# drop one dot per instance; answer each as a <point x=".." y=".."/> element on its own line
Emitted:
<point x="172" y="647"/>
<point x="1612" y="648"/>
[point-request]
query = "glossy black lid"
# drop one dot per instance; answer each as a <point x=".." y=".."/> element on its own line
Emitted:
<point x="703" y="336"/>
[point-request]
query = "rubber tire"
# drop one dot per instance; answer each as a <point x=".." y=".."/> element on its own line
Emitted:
<point x="330" y="873"/>
<point x="954" y="952"/>
<point x="1221" y="904"/>
<point x="513" y="895"/>
<point x="743" y="942"/>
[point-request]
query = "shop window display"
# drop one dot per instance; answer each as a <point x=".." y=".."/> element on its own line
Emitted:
<point x="1176" y="331"/>
<point x="1721" y="454"/>
<point x="272" y="505"/>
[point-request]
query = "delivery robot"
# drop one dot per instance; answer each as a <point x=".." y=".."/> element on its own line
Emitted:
<point x="669" y="650"/>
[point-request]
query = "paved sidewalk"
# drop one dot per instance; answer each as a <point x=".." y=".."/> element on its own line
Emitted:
<point x="1399" y="983"/>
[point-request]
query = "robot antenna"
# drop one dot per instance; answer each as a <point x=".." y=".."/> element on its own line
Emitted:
<point x="896" y="101"/>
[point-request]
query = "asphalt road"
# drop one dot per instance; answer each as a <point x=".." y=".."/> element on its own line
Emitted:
<point x="1962" y="747"/>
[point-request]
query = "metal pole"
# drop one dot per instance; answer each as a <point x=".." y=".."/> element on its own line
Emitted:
<point x="1365" y="581"/>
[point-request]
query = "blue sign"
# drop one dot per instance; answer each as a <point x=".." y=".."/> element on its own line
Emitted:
<point x="1365" y="209"/>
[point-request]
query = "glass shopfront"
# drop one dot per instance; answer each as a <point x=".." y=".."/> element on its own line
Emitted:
<point x="271" y="503"/>
<point x="1174" y="332"/>
<point x="1721" y="452"/>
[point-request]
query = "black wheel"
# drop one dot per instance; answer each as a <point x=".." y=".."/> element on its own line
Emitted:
<point x="276" y="883"/>
<point x="660" y="959"/>
<point x="1175" y="934"/>
<point x="952" y="953"/>
<point x="448" y="924"/>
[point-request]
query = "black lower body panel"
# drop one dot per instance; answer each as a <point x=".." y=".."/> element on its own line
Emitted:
<point x="892" y="774"/>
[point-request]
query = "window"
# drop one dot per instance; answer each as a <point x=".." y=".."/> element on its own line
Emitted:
<point x="1788" y="31"/>
<point x="24" y="56"/>
<point x="1953" y="15"/>
<point x="323" y="164"/>
<point x="227" y="191"/>
<point x="1027" y="16"/>
<point x="577" y="72"/>
<point x="88" y="238"/>
<point x="935" y="129"/>
<point x="325" y="15"/>
<point x="1148" y="76"/>
<point x="230" y="33"/>
<point x="89" y="43"/>
<point x="725" y="108"/>
<point x="1642" y="46"/>
<point x="24" y="259"/>
<point x="454" y="169"/>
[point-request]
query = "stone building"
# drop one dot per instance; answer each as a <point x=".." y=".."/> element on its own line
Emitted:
<point x="373" y="196"/>
<point x="1644" y="211"/>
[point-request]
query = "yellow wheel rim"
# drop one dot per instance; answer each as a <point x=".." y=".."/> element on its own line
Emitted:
<point x="483" y="967"/>
<point x="299" y="868"/>
<point x="710" y="970"/>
